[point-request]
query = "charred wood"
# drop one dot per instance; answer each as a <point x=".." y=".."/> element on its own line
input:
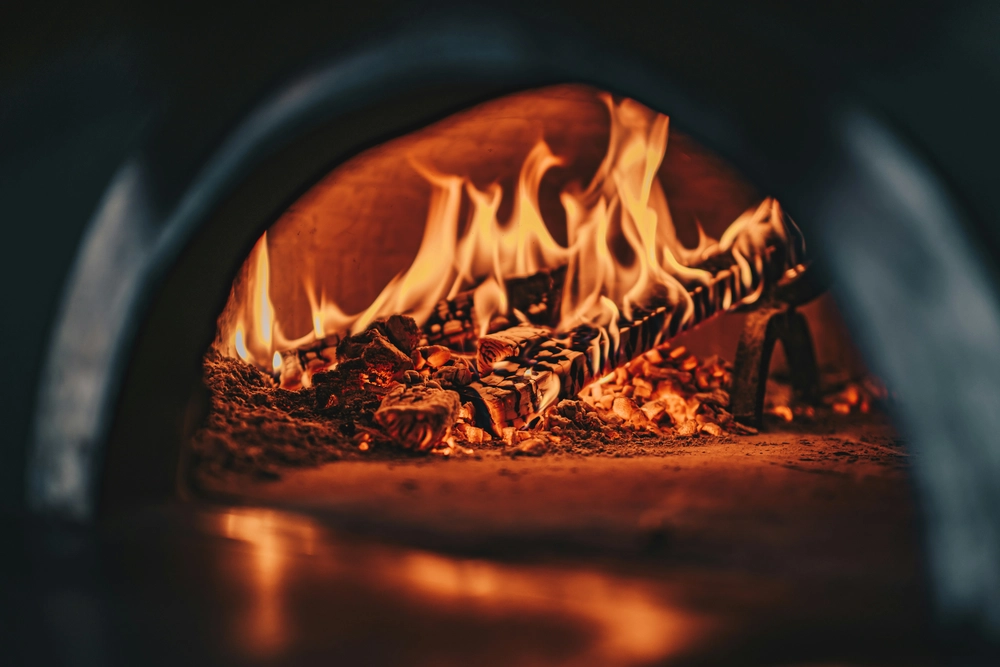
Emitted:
<point x="418" y="416"/>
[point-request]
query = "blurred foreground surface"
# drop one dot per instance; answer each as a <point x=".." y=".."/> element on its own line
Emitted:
<point x="760" y="554"/>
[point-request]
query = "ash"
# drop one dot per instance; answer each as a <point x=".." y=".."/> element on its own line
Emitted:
<point x="254" y="426"/>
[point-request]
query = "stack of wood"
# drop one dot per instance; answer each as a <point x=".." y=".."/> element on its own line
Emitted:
<point x="426" y="386"/>
<point x="518" y="366"/>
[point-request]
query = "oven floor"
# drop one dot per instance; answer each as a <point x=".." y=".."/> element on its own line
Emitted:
<point x="785" y="549"/>
<point x="796" y="546"/>
<point x="786" y="488"/>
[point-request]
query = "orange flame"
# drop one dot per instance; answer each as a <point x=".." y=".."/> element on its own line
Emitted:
<point x="623" y="206"/>
<point x="255" y="343"/>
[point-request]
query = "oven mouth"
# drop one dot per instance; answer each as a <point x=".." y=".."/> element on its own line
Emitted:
<point x="514" y="278"/>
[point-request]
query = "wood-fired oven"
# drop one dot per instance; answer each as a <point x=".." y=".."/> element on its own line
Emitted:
<point x="527" y="337"/>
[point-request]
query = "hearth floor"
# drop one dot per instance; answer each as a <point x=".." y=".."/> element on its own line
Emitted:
<point x="791" y="483"/>
<point x="795" y="546"/>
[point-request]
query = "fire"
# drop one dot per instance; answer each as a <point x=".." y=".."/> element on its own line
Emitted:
<point x="239" y="342"/>
<point x="622" y="253"/>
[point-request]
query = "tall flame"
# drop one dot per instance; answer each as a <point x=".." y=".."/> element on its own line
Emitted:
<point x="256" y="343"/>
<point x="622" y="207"/>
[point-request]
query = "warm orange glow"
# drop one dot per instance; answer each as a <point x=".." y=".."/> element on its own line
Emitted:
<point x="256" y="343"/>
<point x="627" y="620"/>
<point x="622" y="251"/>
<point x="263" y="311"/>
<point x="784" y="412"/>
<point x="631" y="626"/>
<point x="273" y="538"/>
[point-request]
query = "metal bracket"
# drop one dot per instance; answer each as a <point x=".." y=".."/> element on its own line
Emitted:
<point x="763" y="328"/>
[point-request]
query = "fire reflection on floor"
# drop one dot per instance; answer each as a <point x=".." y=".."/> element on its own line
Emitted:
<point x="614" y="619"/>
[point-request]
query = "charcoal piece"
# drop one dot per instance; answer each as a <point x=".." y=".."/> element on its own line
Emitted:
<point x="401" y="330"/>
<point x="717" y="397"/>
<point x="352" y="346"/>
<point x="385" y="360"/>
<point x="452" y="323"/>
<point x="580" y="416"/>
<point x="352" y="387"/>
<point x="382" y="360"/>
<point x="418" y="417"/>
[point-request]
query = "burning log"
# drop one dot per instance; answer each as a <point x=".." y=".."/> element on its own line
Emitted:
<point x="452" y="324"/>
<point x="525" y="370"/>
<point x="537" y="297"/>
<point x="311" y="358"/>
<point x="418" y="416"/>
<point x="515" y="363"/>
<point x="517" y="341"/>
<point x="511" y="400"/>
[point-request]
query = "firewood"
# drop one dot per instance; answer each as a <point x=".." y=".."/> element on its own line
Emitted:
<point x="456" y="372"/>
<point x="513" y="342"/>
<point x="315" y="357"/>
<point x="519" y="366"/>
<point x="509" y="402"/>
<point x="524" y="366"/>
<point x="369" y="365"/>
<point x="471" y="434"/>
<point x="420" y="416"/>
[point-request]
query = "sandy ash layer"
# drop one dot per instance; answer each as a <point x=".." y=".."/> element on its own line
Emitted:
<point x="255" y="426"/>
